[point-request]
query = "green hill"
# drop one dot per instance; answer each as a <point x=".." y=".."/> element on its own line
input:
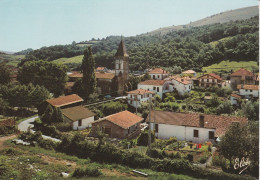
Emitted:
<point x="223" y="17"/>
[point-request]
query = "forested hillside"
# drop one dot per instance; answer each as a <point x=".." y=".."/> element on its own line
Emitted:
<point x="193" y="47"/>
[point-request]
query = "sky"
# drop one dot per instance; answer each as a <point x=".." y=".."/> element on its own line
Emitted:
<point x="37" y="23"/>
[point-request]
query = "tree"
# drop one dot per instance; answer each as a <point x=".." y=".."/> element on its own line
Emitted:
<point x="50" y="75"/>
<point x="224" y="108"/>
<point x="234" y="144"/>
<point x="3" y="105"/>
<point x="89" y="82"/>
<point x="57" y="115"/>
<point x="5" y="73"/>
<point x="250" y="110"/>
<point x="48" y="115"/>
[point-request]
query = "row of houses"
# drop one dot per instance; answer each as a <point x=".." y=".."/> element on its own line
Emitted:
<point x="246" y="82"/>
<point x="192" y="127"/>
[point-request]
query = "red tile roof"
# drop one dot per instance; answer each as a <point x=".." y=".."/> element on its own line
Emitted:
<point x="69" y="84"/>
<point x="98" y="75"/>
<point x="100" y="68"/>
<point x="236" y="96"/>
<point x="65" y="100"/>
<point x="188" y="72"/>
<point x="183" y="80"/>
<point x="140" y="91"/>
<point x="158" y="71"/>
<point x="215" y="76"/>
<point x="153" y="82"/>
<point x="249" y="87"/>
<point x="77" y="113"/>
<point x="242" y="72"/>
<point x="124" y="119"/>
<point x="105" y="75"/>
<point x="220" y="123"/>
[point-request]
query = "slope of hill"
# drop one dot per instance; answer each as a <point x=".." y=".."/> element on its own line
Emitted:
<point x="232" y="15"/>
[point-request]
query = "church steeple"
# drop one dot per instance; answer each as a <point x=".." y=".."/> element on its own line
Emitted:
<point x="121" y="67"/>
<point x="121" y="51"/>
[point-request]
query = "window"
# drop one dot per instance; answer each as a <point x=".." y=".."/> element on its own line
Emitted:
<point x="119" y="66"/>
<point x="80" y="122"/>
<point x="213" y="80"/>
<point x="141" y="96"/>
<point x="153" y="76"/>
<point x="207" y="80"/>
<point x="246" y="90"/>
<point x="211" y="135"/>
<point x="158" y="76"/>
<point x="251" y="90"/>
<point x="158" y="89"/>
<point x="131" y="102"/>
<point x="195" y="133"/>
<point x="154" y="88"/>
<point x="156" y="128"/>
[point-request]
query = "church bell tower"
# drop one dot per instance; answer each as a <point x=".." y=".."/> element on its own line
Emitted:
<point x="121" y="67"/>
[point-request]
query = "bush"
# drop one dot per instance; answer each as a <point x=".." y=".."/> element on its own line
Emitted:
<point x="63" y="127"/>
<point x="204" y="158"/>
<point x="86" y="172"/>
<point x="190" y="157"/>
<point x="142" y="139"/>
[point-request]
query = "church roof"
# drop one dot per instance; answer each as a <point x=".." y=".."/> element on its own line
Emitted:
<point x="121" y="51"/>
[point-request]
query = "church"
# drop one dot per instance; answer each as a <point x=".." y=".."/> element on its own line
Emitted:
<point x="109" y="83"/>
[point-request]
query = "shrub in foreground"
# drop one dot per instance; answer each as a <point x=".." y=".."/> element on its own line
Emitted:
<point x="86" y="172"/>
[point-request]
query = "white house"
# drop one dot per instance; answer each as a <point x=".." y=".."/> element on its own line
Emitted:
<point x="194" y="127"/>
<point x="248" y="91"/>
<point x="139" y="96"/>
<point x="158" y="73"/>
<point x="79" y="116"/>
<point x="181" y="84"/>
<point x="157" y="86"/>
<point x="234" y="99"/>
<point x="226" y="84"/>
<point x="189" y="73"/>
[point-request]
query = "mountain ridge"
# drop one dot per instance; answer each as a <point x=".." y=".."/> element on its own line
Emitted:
<point x="227" y="16"/>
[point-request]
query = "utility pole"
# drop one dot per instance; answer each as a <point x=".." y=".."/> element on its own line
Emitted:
<point x="149" y="131"/>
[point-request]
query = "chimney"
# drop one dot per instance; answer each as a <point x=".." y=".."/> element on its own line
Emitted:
<point x="201" y="120"/>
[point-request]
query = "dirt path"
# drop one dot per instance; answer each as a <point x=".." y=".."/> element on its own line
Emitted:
<point x="5" y="138"/>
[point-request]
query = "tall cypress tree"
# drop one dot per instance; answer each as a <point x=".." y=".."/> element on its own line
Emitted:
<point x="89" y="82"/>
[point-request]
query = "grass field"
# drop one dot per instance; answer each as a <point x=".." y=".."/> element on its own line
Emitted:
<point x="231" y="65"/>
<point x="11" y="59"/>
<point x="75" y="59"/>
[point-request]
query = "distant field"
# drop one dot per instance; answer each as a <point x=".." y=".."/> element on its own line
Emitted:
<point x="11" y="59"/>
<point x="214" y="43"/>
<point x="231" y="65"/>
<point x="75" y="59"/>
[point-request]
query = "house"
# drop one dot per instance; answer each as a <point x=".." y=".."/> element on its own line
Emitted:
<point x="68" y="87"/>
<point x="189" y="73"/>
<point x="157" y="86"/>
<point x="242" y="76"/>
<point x="120" y="125"/>
<point x="65" y="101"/>
<point x="225" y="84"/>
<point x="248" y="91"/>
<point x="193" y="127"/>
<point x="139" y="96"/>
<point x="208" y="80"/>
<point x="79" y="116"/>
<point x="181" y="84"/>
<point x="235" y="99"/>
<point x="101" y="69"/>
<point x="158" y="74"/>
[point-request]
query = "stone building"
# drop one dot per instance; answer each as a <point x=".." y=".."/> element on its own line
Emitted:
<point x="110" y="83"/>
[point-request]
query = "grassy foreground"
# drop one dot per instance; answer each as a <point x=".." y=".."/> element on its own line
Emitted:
<point x="26" y="162"/>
